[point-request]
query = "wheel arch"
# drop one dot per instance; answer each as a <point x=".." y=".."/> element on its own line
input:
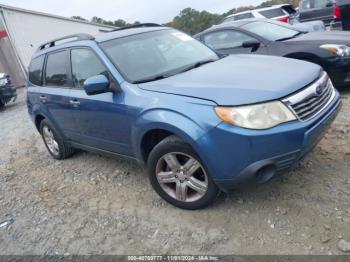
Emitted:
<point x="154" y="126"/>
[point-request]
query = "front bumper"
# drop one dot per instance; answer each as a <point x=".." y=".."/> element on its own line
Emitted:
<point x="236" y="156"/>
<point x="338" y="70"/>
<point x="7" y="94"/>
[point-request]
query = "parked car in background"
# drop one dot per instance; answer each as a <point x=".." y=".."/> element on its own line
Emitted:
<point x="282" y="13"/>
<point x="200" y="122"/>
<point x="334" y="13"/>
<point x="311" y="26"/>
<point x="331" y="50"/>
<point x="7" y="91"/>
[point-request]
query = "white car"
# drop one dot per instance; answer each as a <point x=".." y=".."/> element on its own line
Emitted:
<point x="282" y="13"/>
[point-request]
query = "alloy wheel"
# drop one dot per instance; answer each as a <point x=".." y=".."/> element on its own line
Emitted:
<point x="182" y="177"/>
<point x="50" y="141"/>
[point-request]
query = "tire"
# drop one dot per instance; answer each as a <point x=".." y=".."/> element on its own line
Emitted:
<point x="178" y="175"/>
<point x="2" y="105"/>
<point x="58" y="150"/>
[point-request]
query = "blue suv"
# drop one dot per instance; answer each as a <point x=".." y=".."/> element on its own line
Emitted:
<point x="200" y="122"/>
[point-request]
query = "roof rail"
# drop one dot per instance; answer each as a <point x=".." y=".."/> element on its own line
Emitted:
<point x="137" y="26"/>
<point x="68" y="38"/>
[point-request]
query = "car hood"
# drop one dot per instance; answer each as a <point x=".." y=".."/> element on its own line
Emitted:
<point x="240" y="79"/>
<point x="325" y="37"/>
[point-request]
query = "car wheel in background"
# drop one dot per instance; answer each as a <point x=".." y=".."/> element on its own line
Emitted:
<point x="178" y="175"/>
<point x="53" y="141"/>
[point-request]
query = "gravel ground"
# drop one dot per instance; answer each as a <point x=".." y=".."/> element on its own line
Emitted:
<point x="91" y="204"/>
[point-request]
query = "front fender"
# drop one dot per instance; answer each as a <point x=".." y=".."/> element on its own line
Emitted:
<point x="168" y="120"/>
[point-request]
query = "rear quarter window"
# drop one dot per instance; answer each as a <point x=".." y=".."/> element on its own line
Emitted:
<point x="36" y="71"/>
<point x="238" y="17"/>
<point x="271" y="13"/>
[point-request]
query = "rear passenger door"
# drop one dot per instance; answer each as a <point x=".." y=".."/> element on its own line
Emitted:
<point x="229" y="41"/>
<point x="306" y="10"/>
<point x="323" y="10"/>
<point x="54" y="95"/>
<point x="100" y="121"/>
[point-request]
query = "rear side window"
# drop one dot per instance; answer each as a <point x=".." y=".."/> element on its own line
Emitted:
<point x="56" y="69"/>
<point x="36" y="71"/>
<point x="321" y="3"/>
<point x="271" y="13"/>
<point x="306" y="4"/>
<point x="238" y="17"/>
<point x="85" y="64"/>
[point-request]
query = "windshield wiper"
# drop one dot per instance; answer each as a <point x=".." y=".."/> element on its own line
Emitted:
<point x="198" y="64"/>
<point x="150" y="79"/>
<point x="290" y="37"/>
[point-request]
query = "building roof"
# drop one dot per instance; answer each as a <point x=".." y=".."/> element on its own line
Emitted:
<point x="53" y="16"/>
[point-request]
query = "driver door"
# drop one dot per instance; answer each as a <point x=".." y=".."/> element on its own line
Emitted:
<point x="100" y="121"/>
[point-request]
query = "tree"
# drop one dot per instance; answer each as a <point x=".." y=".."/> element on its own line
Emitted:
<point x="79" y="18"/>
<point x="192" y="21"/>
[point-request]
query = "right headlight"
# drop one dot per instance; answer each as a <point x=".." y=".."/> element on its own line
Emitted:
<point x="3" y="81"/>
<point x="340" y="50"/>
<point x="259" y="116"/>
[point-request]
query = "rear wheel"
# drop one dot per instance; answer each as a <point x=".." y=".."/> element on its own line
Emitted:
<point x="2" y="105"/>
<point x="57" y="148"/>
<point x="178" y="175"/>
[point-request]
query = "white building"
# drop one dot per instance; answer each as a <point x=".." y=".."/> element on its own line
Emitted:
<point x="22" y="31"/>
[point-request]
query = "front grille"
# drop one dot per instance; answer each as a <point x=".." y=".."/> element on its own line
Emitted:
<point x="8" y="80"/>
<point x="309" y="102"/>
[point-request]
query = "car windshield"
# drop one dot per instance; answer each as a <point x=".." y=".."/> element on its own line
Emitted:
<point x="155" y="55"/>
<point x="271" y="31"/>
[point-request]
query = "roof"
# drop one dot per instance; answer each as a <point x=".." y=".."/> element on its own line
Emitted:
<point x="127" y="32"/>
<point x="238" y="23"/>
<point x="68" y="40"/>
<point x="53" y="16"/>
<point x="258" y="10"/>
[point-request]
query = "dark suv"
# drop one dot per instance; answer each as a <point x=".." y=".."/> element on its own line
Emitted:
<point x="334" y="13"/>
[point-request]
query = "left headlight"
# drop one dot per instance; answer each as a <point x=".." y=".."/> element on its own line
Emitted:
<point x="259" y="116"/>
<point x="3" y="81"/>
<point x="340" y="50"/>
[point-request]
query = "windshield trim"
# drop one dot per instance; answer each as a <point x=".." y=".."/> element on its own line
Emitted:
<point x="167" y="73"/>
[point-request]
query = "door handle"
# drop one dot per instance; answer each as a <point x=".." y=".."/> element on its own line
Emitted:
<point x="43" y="99"/>
<point x="74" y="102"/>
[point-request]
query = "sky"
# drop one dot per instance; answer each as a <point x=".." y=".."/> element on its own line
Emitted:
<point x="158" y="11"/>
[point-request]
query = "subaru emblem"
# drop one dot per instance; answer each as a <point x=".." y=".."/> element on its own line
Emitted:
<point x="319" y="90"/>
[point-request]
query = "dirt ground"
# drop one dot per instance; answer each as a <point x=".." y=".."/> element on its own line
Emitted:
<point x="91" y="204"/>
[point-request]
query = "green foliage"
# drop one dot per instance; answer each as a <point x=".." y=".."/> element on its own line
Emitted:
<point x="192" y="21"/>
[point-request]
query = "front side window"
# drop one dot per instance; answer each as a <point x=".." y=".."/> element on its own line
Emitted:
<point x="85" y="64"/>
<point x="243" y="16"/>
<point x="272" y="13"/>
<point x="271" y="31"/>
<point x="56" y="69"/>
<point x="36" y="70"/>
<point x="226" y="39"/>
<point x="148" y="55"/>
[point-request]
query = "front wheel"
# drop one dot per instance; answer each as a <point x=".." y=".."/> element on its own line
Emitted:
<point x="178" y="175"/>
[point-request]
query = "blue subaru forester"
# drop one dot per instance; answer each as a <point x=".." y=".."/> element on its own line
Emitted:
<point x="201" y="123"/>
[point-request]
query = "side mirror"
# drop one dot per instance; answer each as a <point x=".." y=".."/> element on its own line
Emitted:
<point x="96" y="85"/>
<point x="253" y="44"/>
<point x="329" y="4"/>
